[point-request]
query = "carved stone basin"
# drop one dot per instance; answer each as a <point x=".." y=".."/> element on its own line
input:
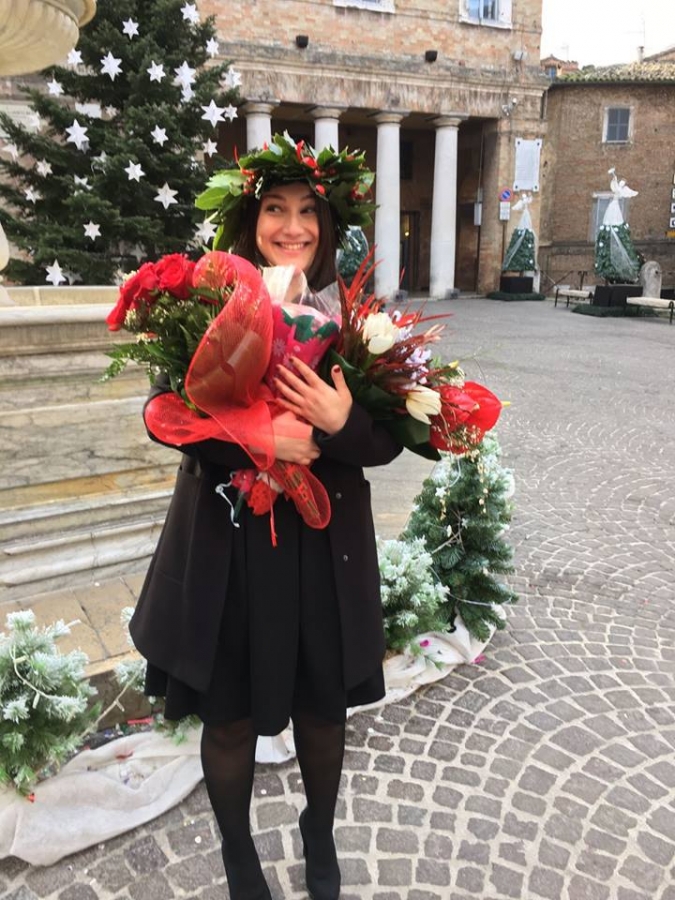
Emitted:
<point x="35" y="34"/>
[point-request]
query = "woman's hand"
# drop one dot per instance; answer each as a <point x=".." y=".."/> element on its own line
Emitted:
<point x="310" y="398"/>
<point x="296" y="450"/>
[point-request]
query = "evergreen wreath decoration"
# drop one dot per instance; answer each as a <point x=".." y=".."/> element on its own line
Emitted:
<point x="45" y="710"/>
<point x="342" y="179"/>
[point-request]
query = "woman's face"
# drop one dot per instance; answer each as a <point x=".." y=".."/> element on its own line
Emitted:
<point x="287" y="232"/>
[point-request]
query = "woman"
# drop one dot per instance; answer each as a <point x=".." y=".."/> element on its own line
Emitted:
<point x="247" y="635"/>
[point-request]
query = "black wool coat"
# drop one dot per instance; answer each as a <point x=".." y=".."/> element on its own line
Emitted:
<point x="177" y="619"/>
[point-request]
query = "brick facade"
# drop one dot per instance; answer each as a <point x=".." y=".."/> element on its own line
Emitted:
<point x="575" y="164"/>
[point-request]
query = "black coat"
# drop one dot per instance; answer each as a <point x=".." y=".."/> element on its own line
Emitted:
<point x="176" y="622"/>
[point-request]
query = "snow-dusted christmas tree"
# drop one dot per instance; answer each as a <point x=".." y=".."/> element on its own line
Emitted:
<point x="105" y="173"/>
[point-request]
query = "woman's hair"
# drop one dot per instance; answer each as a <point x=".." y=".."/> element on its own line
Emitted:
<point x="323" y="270"/>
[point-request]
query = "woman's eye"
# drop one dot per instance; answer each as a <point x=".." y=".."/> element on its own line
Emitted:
<point x="309" y="210"/>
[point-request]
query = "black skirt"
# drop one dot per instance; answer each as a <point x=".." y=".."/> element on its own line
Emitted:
<point x="280" y="646"/>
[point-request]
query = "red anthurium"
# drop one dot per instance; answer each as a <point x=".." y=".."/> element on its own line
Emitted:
<point x="488" y="407"/>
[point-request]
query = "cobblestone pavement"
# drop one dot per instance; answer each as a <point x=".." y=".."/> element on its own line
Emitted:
<point x="548" y="770"/>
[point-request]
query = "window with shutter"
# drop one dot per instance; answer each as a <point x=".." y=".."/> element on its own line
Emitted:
<point x="617" y="125"/>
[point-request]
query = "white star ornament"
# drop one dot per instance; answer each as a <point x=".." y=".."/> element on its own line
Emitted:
<point x="166" y="196"/>
<point x="159" y="135"/>
<point x="212" y="47"/>
<point x="156" y="71"/>
<point x="55" y="273"/>
<point x="111" y="66"/>
<point x="77" y="135"/>
<point x="130" y="28"/>
<point x="74" y="58"/>
<point x="134" y="171"/>
<point x="210" y="148"/>
<point x="44" y="168"/>
<point x="213" y="113"/>
<point x="190" y="13"/>
<point x="92" y="230"/>
<point x="55" y="88"/>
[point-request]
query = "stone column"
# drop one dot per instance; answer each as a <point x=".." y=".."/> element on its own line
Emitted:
<point x="444" y="209"/>
<point x="258" y="122"/>
<point x="326" y="119"/>
<point x="388" y="195"/>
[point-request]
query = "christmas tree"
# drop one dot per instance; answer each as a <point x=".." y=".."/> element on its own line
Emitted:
<point x="520" y="255"/>
<point x="616" y="258"/>
<point x="462" y="513"/>
<point x="106" y="173"/>
<point x="352" y="254"/>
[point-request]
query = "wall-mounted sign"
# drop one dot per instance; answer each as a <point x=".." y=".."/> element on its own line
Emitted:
<point x="505" y="211"/>
<point x="506" y="194"/>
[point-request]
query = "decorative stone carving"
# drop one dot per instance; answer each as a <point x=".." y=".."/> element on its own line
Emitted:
<point x="35" y="34"/>
<point x="650" y="279"/>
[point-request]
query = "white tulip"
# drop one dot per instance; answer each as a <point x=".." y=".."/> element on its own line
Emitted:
<point x="421" y="402"/>
<point x="379" y="333"/>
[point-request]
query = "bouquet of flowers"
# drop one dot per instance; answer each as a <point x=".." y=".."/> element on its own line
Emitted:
<point x="389" y="368"/>
<point x="213" y="328"/>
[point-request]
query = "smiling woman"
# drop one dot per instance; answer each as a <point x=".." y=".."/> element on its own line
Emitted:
<point x="287" y="231"/>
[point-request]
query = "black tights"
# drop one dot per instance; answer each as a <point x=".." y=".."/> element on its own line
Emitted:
<point x="228" y="760"/>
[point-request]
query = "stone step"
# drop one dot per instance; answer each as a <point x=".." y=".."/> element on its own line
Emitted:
<point x="69" y="295"/>
<point x="38" y="510"/>
<point x="32" y="565"/>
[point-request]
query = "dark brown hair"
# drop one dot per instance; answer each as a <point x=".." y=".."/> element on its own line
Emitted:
<point x="322" y="271"/>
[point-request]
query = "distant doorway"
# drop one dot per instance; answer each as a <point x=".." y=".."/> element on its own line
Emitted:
<point x="410" y="251"/>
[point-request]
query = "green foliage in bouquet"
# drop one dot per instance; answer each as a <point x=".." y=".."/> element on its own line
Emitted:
<point x="462" y="513"/>
<point x="519" y="256"/>
<point x="180" y="324"/>
<point x="413" y="600"/>
<point x="45" y="710"/>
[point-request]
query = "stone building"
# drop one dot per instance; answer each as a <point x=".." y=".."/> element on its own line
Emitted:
<point x="435" y="92"/>
<point x="616" y="116"/>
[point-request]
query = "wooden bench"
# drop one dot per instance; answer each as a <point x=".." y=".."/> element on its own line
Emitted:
<point x="653" y="303"/>
<point x="570" y="294"/>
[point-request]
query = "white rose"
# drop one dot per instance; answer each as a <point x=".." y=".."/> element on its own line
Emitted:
<point x="379" y="333"/>
<point x="421" y="402"/>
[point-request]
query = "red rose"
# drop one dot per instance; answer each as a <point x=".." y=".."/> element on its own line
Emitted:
<point x="174" y="275"/>
<point x="140" y="287"/>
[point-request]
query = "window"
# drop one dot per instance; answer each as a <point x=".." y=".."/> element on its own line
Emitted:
<point x="486" y="12"/>
<point x="551" y="72"/>
<point x="600" y="203"/>
<point x="617" y="125"/>
<point x="386" y="6"/>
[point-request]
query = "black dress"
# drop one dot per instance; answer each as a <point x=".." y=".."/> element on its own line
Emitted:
<point x="279" y="650"/>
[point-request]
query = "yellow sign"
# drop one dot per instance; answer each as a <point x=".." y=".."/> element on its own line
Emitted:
<point x="670" y="234"/>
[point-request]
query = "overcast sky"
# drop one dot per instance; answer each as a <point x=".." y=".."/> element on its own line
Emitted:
<point x="600" y="32"/>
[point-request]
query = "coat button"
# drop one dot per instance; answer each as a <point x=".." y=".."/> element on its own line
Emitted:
<point x="345" y="558"/>
<point x="338" y="496"/>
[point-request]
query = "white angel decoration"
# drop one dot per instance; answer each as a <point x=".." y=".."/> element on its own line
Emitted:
<point x="521" y="254"/>
<point x="616" y="258"/>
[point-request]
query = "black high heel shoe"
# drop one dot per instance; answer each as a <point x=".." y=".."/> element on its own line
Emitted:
<point x="322" y="872"/>
<point x="245" y="877"/>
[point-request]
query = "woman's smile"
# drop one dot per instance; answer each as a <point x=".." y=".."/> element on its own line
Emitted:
<point x="287" y="232"/>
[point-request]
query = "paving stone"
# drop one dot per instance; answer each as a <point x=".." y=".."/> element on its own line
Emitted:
<point x="431" y="871"/>
<point x="470" y="879"/>
<point x="78" y="892"/>
<point x="597" y="865"/>
<point x="422" y="895"/>
<point x="371" y="810"/>
<point x="535" y="806"/>
<point x="581" y="888"/>
<point x="443" y="821"/>
<point x="506" y="881"/>
<point x="438" y="846"/>
<point x="267" y="784"/>
<point x="393" y="840"/>
<point x="424" y="771"/>
<point x="412" y="815"/>
<point x="190" y="873"/>
<point x="483" y="829"/>
<point x="183" y="840"/>
<point x="387" y="763"/>
<point x="112" y="873"/>
<point x="44" y="881"/>
<point x="447" y="797"/>
<point x="271" y="815"/>
<point x="394" y="872"/>
<point x="145" y="856"/>
<point x="404" y="790"/>
<point x="151" y="887"/>
<point x="354" y="871"/>
<point x="474" y="851"/>
<point x="22" y="893"/>
<point x="656" y="849"/>
<point x="643" y="874"/>
<point x="269" y="846"/>
<point x="350" y="838"/>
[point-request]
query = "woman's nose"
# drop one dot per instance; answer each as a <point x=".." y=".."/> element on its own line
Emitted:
<point x="293" y="223"/>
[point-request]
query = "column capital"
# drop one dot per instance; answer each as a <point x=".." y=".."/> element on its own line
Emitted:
<point x="326" y="112"/>
<point x="449" y="120"/>
<point x="259" y="107"/>
<point x="390" y="117"/>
